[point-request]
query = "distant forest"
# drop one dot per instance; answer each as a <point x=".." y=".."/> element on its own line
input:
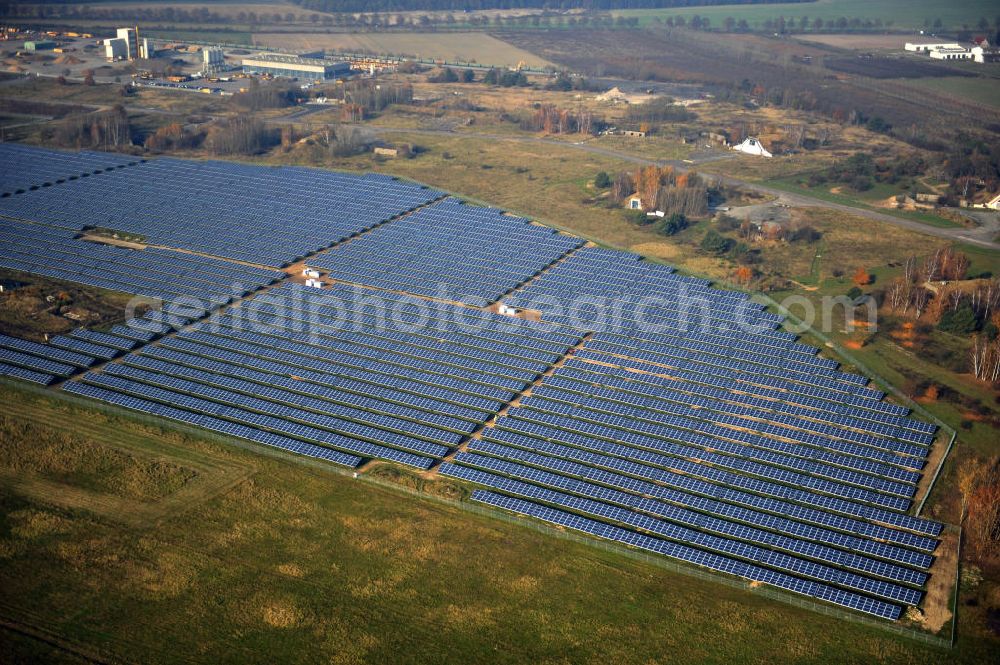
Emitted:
<point x="474" y="5"/>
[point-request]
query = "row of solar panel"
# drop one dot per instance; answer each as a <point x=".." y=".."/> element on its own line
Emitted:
<point x="712" y="533"/>
<point x="26" y="167"/>
<point x="446" y="318"/>
<point x="784" y="392"/>
<point x="664" y="440"/>
<point x="810" y="386"/>
<point x="473" y="254"/>
<point x="711" y="408"/>
<point x="695" y="342"/>
<point x="490" y="372"/>
<point x="144" y="273"/>
<point x="262" y="215"/>
<point x="588" y="307"/>
<point x="794" y="455"/>
<point x="334" y="416"/>
<point x="765" y="343"/>
<point x="718" y="563"/>
<point x="745" y="403"/>
<point x="390" y="313"/>
<point x="387" y="363"/>
<point x="273" y="313"/>
<point x="365" y="397"/>
<point x="342" y="387"/>
<point x="670" y="356"/>
<point x="196" y="268"/>
<point x="638" y="280"/>
<point x="42" y="363"/>
<point x="59" y="241"/>
<point x="567" y="285"/>
<point x="586" y="448"/>
<point x="627" y="492"/>
<point x="214" y="424"/>
<point x="457" y="391"/>
<point x="346" y="437"/>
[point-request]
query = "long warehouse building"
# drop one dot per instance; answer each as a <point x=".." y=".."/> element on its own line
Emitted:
<point x="296" y="67"/>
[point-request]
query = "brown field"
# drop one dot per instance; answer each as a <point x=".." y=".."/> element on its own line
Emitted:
<point x="857" y="42"/>
<point x="457" y="46"/>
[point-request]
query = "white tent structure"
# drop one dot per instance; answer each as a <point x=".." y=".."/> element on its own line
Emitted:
<point x="752" y="146"/>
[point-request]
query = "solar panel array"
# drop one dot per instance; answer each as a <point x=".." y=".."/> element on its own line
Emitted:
<point x="350" y="384"/>
<point x="26" y="168"/>
<point x="688" y="435"/>
<point x="263" y="215"/>
<point x="44" y="363"/>
<point x="449" y="251"/>
<point x="684" y="422"/>
<point x="150" y="272"/>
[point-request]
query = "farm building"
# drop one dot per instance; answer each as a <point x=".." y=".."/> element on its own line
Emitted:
<point x="994" y="203"/>
<point x="752" y="146"/>
<point x="634" y="202"/>
<point x="296" y="67"/>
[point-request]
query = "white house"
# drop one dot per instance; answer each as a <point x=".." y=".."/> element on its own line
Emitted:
<point x="752" y="146"/>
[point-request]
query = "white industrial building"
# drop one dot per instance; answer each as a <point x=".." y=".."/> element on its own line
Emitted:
<point x="752" y="146"/>
<point x="951" y="53"/>
<point x="927" y="48"/>
<point x="981" y="52"/>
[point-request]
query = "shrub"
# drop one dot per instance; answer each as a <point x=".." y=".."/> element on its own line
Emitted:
<point x="959" y="321"/>
<point x="715" y="243"/>
<point x="861" y="183"/>
<point x="675" y="223"/>
<point x="806" y="233"/>
<point x="602" y="180"/>
<point x="725" y="222"/>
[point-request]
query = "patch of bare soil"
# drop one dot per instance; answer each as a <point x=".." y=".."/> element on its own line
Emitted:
<point x="936" y="609"/>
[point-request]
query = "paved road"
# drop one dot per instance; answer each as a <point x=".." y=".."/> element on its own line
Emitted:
<point x="982" y="236"/>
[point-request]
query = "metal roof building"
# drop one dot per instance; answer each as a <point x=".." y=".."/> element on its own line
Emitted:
<point x="295" y="66"/>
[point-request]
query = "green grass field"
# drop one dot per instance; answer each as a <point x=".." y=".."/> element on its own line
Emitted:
<point x="896" y="14"/>
<point x="262" y="556"/>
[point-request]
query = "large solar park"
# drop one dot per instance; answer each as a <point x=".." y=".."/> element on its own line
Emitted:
<point x="694" y="427"/>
